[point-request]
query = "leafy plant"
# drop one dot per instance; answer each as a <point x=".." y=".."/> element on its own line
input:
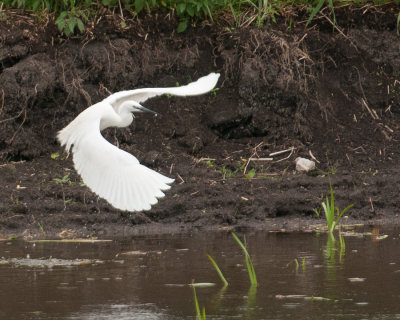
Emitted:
<point x="189" y="9"/>
<point x="250" y="174"/>
<point x="71" y="15"/>
<point x="249" y="263"/>
<point x="64" y="180"/>
<point x="329" y="210"/>
<point x="210" y="163"/>
<point x="214" y="92"/>
<point x="218" y="270"/>
<point x="228" y="173"/>
<point x="67" y="21"/>
<point x="55" y="155"/>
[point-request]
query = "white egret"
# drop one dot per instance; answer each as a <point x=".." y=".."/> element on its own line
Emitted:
<point x="111" y="173"/>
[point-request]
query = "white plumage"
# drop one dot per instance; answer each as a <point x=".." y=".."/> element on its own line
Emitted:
<point x="112" y="173"/>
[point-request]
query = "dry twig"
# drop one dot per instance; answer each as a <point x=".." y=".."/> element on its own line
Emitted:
<point x="291" y="152"/>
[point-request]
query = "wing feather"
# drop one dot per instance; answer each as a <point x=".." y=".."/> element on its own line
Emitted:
<point x="201" y="86"/>
<point x="110" y="172"/>
<point x="116" y="175"/>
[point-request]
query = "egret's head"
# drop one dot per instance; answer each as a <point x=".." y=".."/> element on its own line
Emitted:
<point x="134" y="106"/>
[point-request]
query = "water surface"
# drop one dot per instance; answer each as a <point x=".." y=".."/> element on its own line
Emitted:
<point x="301" y="276"/>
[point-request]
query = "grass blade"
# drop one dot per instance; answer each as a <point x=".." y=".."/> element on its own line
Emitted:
<point x="249" y="263"/>
<point x="218" y="270"/>
<point x="199" y="315"/>
<point x="340" y="215"/>
<point x="315" y="11"/>
<point x="240" y="243"/>
<point x="329" y="209"/>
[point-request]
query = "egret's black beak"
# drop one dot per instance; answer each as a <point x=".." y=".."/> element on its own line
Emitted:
<point x="143" y="109"/>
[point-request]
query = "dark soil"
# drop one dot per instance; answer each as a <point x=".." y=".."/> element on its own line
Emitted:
<point x="334" y="94"/>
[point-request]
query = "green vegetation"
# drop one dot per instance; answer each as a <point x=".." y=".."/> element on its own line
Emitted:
<point x="250" y="174"/>
<point x="71" y="16"/>
<point x="241" y="166"/>
<point x="249" y="263"/>
<point x="228" y="173"/>
<point x="41" y="227"/>
<point x="329" y="210"/>
<point x="218" y="270"/>
<point x="318" y="7"/>
<point x="199" y="315"/>
<point x="55" y="155"/>
<point x="64" y="180"/>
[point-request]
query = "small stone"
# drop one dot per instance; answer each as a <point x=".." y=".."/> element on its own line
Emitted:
<point x="303" y="164"/>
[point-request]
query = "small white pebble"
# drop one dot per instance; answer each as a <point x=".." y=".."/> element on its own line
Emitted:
<point x="303" y="164"/>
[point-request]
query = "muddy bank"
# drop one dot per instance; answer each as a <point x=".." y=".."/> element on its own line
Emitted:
<point x="334" y="95"/>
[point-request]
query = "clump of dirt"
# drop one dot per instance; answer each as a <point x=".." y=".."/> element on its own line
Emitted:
<point x="330" y="95"/>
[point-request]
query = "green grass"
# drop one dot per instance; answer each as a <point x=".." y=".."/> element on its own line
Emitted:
<point x="329" y="210"/>
<point x="199" y="315"/>
<point x="228" y="173"/>
<point x="249" y="263"/>
<point x="71" y="16"/>
<point x="318" y="7"/>
<point x="41" y="227"/>
<point x="63" y="181"/>
<point x="225" y="282"/>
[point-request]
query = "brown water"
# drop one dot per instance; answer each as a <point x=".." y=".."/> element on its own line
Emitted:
<point x="358" y="280"/>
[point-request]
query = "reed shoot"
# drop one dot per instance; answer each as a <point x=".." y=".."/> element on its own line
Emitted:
<point x="329" y="209"/>
<point x="249" y="263"/>
<point x="218" y="270"/>
<point x="199" y="315"/>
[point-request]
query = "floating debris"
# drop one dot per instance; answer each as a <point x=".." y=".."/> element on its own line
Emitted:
<point x="380" y="237"/>
<point x="317" y="299"/>
<point x="301" y="296"/>
<point x="72" y="240"/>
<point x="355" y="234"/>
<point x="290" y="296"/>
<point x="196" y="285"/>
<point x="47" y="263"/>
<point x="356" y="279"/>
<point x="132" y="253"/>
<point x="179" y="285"/>
<point x="202" y="284"/>
<point x="291" y="305"/>
<point x="136" y="253"/>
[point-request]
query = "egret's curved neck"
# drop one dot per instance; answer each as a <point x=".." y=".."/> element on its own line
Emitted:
<point x="122" y="117"/>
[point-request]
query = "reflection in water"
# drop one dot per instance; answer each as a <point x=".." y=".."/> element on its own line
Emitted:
<point x="152" y="281"/>
<point x="120" y="312"/>
<point x="332" y="249"/>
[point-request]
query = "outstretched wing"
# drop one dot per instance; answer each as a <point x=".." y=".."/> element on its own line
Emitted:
<point x="201" y="86"/>
<point x="116" y="175"/>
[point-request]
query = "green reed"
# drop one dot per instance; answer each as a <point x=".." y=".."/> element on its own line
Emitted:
<point x="218" y="270"/>
<point x="249" y="263"/>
